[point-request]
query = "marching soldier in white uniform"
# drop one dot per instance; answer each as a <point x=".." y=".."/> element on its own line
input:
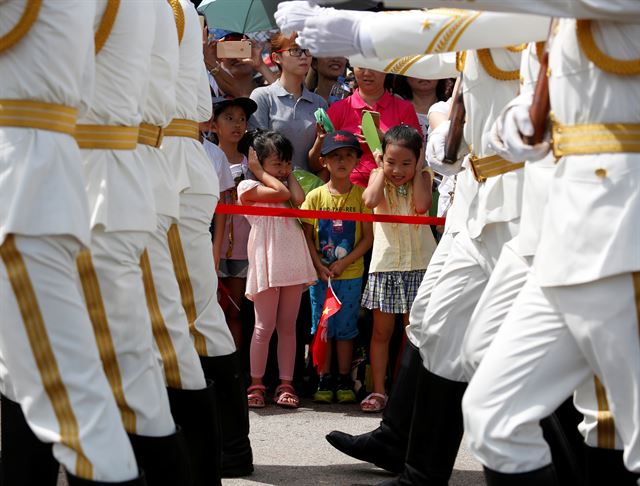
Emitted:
<point x="190" y="245"/>
<point x="577" y="313"/>
<point x="602" y="445"/>
<point x="191" y="398"/>
<point x="51" y="365"/>
<point x="492" y="210"/>
<point x="122" y="215"/>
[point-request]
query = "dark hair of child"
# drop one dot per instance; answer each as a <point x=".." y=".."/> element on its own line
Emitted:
<point x="405" y="136"/>
<point x="243" y="145"/>
<point x="270" y="142"/>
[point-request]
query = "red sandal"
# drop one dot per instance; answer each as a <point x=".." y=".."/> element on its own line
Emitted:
<point x="255" y="396"/>
<point x="286" y="397"/>
<point x="375" y="402"/>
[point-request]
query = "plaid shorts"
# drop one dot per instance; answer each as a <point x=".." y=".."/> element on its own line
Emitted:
<point x="392" y="292"/>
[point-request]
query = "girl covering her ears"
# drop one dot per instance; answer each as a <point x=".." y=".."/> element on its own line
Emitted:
<point x="400" y="185"/>
<point x="280" y="266"/>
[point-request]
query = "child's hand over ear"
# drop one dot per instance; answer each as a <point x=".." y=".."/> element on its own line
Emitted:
<point x="254" y="165"/>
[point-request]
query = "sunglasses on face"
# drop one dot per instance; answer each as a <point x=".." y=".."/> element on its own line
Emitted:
<point x="296" y="51"/>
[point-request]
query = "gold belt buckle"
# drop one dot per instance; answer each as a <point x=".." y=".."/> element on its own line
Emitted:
<point x="476" y="174"/>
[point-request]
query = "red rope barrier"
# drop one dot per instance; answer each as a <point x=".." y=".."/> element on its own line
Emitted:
<point x="310" y="214"/>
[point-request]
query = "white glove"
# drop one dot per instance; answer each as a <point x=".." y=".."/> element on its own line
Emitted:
<point x="291" y="16"/>
<point x="336" y="33"/>
<point x="435" y="151"/>
<point x="507" y="132"/>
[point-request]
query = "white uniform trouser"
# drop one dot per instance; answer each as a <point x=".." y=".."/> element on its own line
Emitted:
<point x="116" y="302"/>
<point x="419" y="306"/>
<point x="506" y="281"/>
<point x="454" y="297"/>
<point x="192" y="254"/>
<point x="174" y="348"/>
<point x="50" y="352"/>
<point x="552" y="340"/>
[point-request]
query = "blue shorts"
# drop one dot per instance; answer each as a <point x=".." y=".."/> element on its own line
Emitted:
<point x="344" y="324"/>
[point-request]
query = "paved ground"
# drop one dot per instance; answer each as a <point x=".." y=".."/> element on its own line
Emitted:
<point x="289" y="449"/>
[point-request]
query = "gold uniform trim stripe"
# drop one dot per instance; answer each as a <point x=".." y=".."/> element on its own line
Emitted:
<point x="180" y="127"/>
<point x="606" y="426"/>
<point x="518" y="48"/>
<point x="461" y="58"/>
<point x="401" y="65"/>
<point x="454" y="42"/>
<point x="595" y="138"/>
<point x="24" y="24"/>
<point x="159" y="327"/>
<point x="186" y="290"/>
<point x="449" y="34"/>
<point x="178" y="15"/>
<point x="489" y="65"/>
<point x="434" y="41"/>
<point x="37" y="114"/>
<point x="98" y="316"/>
<point x="609" y="64"/>
<point x="106" y="24"/>
<point x="150" y="135"/>
<point x="108" y="137"/>
<point x="43" y="353"/>
<point x="491" y="166"/>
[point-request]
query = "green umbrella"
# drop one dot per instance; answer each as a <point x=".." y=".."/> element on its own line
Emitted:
<point x="240" y="16"/>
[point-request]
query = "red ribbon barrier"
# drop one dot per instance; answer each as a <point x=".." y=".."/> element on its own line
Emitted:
<point x="311" y="214"/>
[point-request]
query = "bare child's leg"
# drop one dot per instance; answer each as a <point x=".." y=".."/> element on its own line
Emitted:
<point x="288" y="306"/>
<point x="344" y="350"/>
<point x="383" y="324"/>
<point x="236" y="288"/>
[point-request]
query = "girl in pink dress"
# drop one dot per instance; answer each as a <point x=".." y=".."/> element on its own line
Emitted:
<point x="280" y="266"/>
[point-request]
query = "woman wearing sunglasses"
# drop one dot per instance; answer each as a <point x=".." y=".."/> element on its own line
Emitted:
<point x="286" y="105"/>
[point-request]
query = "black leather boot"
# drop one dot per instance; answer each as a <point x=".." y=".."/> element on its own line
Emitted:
<point x="605" y="466"/>
<point x="436" y="432"/>
<point x="560" y="430"/>
<point x="195" y="411"/>
<point x="545" y="476"/>
<point x="386" y="446"/>
<point x="164" y="460"/>
<point x="76" y="481"/>
<point x="26" y="461"/>
<point x="226" y="373"/>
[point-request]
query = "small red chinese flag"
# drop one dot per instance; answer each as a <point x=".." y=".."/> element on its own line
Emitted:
<point x="321" y="341"/>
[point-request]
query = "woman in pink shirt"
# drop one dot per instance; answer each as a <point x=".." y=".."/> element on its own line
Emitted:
<point x="370" y="95"/>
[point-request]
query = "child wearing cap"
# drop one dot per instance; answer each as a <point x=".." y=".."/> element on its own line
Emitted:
<point x="337" y="247"/>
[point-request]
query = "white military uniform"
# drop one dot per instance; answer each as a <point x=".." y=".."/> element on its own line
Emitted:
<point x="180" y="361"/>
<point x="483" y="217"/>
<point x="577" y="314"/>
<point x="190" y="240"/>
<point x="122" y="216"/>
<point x="47" y="345"/>
<point x="511" y="272"/>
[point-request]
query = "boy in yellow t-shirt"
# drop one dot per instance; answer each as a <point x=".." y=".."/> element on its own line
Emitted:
<point x="336" y="248"/>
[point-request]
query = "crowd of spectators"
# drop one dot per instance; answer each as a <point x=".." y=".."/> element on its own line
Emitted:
<point x="264" y="140"/>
